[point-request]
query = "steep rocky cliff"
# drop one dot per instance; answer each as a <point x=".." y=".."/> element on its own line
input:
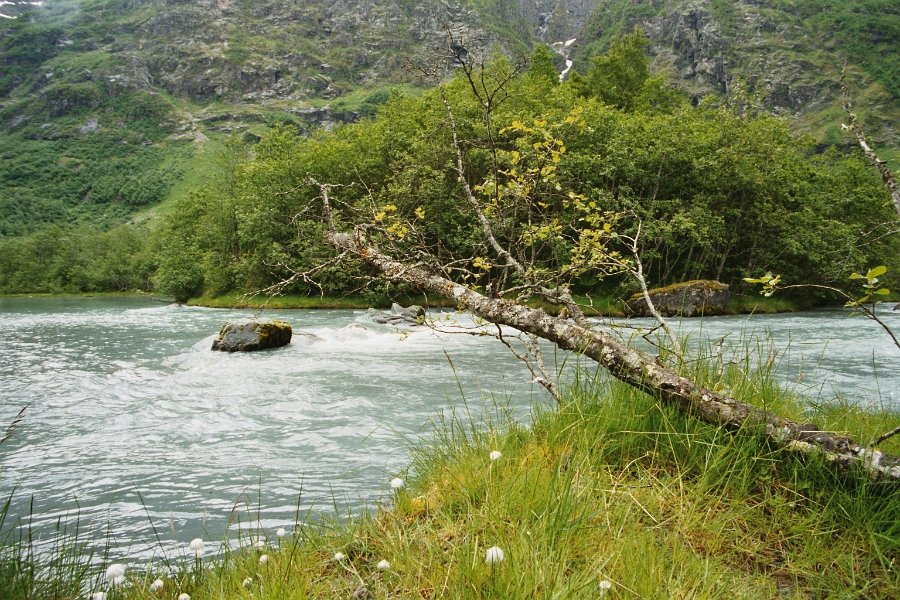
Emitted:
<point x="789" y="54"/>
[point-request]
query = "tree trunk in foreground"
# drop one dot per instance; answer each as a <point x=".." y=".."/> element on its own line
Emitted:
<point x="629" y="365"/>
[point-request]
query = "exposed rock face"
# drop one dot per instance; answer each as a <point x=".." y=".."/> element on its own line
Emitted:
<point x="766" y="47"/>
<point x="695" y="46"/>
<point x="688" y="299"/>
<point x="252" y="334"/>
<point x="398" y="315"/>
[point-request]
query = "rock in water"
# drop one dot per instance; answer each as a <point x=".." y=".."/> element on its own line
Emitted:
<point x="688" y="299"/>
<point x="252" y="334"/>
<point x="410" y="313"/>
<point x="398" y="315"/>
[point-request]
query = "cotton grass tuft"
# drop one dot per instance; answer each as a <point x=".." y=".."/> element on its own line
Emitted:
<point x="115" y="574"/>
<point x="494" y="555"/>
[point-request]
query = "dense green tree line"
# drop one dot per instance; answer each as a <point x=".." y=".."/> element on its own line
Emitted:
<point x="85" y="259"/>
<point x="721" y="190"/>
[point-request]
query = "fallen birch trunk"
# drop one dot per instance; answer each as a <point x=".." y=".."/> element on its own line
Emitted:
<point x="629" y="365"/>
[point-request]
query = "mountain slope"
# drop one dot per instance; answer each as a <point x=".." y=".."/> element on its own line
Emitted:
<point x="104" y="102"/>
<point x="789" y="52"/>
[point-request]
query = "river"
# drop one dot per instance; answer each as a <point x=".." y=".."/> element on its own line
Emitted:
<point x="133" y="423"/>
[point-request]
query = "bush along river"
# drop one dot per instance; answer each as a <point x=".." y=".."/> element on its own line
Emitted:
<point x="147" y="439"/>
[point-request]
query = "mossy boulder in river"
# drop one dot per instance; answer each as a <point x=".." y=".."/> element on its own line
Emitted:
<point x="252" y="334"/>
<point x="688" y="299"/>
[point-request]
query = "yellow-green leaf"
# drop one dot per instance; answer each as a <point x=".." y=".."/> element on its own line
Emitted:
<point x="876" y="272"/>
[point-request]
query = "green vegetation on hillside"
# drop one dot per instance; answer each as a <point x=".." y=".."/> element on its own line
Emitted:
<point x="791" y="52"/>
<point x="95" y="139"/>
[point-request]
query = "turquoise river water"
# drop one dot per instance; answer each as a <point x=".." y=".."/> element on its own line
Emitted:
<point x="133" y="423"/>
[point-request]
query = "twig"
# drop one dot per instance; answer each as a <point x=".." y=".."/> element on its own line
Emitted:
<point x="854" y="128"/>
<point x="534" y="361"/>
<point x="886" y="436"/>
<point x="638" y="273"/>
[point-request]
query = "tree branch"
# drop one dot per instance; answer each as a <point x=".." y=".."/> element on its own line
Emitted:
<point x="854" y="128"/>
<point x="559" y="294"/>
<point x="631" y="366"/>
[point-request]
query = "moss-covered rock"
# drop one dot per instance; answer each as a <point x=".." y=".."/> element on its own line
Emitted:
<point x="687" y="299"/>
<point x="252" y="334"/>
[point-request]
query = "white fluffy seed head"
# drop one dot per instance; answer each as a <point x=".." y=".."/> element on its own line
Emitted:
<point x="263" y="559"/>
<point x="184" y="597"/>
<point x="397" y="483"/>
<point x="494" y="555"/>
<point x="156" y="585"/>
<point x="281" y="532"/>
<point x="339" y="556"/>
<point x="605" y="586"/>
<point x="115" y="574"/>
<point x="248" y="582"/>
<point x="383" y="565"/>
<point x="260" y="544"/>
<point x="196" y="546"/>
<point x="495" y="454"/>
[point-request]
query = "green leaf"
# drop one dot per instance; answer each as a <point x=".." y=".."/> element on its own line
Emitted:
<point x="876" y="272"/>
<point x="882" y="292"/>
<point x="856" y="276"/>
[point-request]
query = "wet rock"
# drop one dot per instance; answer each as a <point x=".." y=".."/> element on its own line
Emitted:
<point x="688" y="299"/>
<point x="252" y="334"/>
<point x="398" y="315"/>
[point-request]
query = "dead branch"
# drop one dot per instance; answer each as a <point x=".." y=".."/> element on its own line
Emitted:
<point x="627" y="364"/>
<point x="855" y="129"/>
<point x="884" y="437"/>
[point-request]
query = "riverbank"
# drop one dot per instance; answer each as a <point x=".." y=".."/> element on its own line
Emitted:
<point x="609" y="491"/>
<point x="593" y="306"/>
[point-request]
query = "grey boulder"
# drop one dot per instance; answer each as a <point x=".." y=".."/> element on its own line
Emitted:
<point x="398" y="315"/>
<point x="688" y="299"/>
<point x="252" y="334"/>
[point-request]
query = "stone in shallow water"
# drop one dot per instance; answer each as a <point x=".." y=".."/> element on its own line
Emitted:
<point x="398" y="315"/>
<point x="699" y="297"/>
<point x="252" y="334"/>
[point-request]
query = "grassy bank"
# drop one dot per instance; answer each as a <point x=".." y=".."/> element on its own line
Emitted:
<point x="758" y="304"/>
<point x="608" y="489"/>
<point x="593" y="306"/>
